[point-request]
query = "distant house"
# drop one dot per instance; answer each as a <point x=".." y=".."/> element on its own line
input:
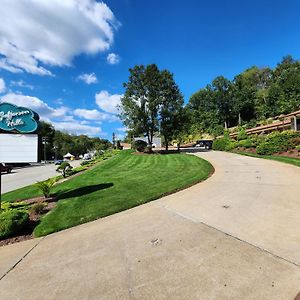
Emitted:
<point x="155" y="143"/>
<point x="126" y="146"/>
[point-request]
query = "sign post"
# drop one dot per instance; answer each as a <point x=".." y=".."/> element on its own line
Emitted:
<point x="15" y="119"/>
<point x="0" y="188"/>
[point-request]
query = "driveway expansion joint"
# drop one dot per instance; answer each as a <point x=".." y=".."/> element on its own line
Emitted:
<point x="229" y="234"/>
<point x="21" y="259"/>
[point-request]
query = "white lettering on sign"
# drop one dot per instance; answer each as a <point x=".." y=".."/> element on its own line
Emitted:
<point x="9" y="117"/>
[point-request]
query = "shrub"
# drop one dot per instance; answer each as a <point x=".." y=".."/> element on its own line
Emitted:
<point x="45" y="186"/>
<point x="265" y="148"/>
<point x="248" y="143"/>
<point x="278" y="142"/>
<point x="38" y="208"/>
<point x="298" y="148"/>
<point x="242" y="135"/>
<point x="12" y="221"/>
<point x="220" y="144"/>
<point x="148" y="150"/>
<point x="232" y="144"/>
<point x="84" y="162"/>
<point x="140" y="145"/>
<point x="64" y="169"/>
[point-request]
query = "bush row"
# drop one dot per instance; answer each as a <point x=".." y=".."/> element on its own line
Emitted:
<point x="264" y="144"/>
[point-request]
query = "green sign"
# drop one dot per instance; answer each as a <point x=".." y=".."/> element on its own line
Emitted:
<point x="16" y="118"/>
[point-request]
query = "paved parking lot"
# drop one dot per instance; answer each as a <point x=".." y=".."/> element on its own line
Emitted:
<point x="25" y="176"/>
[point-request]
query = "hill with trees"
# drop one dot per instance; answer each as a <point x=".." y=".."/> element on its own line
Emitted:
<point x="252" y="96"/>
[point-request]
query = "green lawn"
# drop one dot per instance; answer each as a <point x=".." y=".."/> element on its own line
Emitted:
<point x="287" y="160"/>
<point x="122" y="182"/>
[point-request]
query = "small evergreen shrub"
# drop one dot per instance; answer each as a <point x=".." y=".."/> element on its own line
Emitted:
<point x="65" y="169"/>
<point x="12" y="221"/>
<point x="38" y="208"/>
<point x="140" y="145"/>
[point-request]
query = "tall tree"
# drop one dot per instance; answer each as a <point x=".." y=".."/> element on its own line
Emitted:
<point x="221" y="87"/>
<point x="171" y="108"/>
<point x="140" y="104"/>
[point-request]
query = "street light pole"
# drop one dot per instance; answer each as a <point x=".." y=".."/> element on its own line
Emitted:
<point x="44" y="141"/>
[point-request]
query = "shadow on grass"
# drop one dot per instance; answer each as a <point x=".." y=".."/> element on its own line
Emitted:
<point x="82" y="191"/>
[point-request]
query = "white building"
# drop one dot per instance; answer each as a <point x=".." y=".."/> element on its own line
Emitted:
<point x="155" y="143"/>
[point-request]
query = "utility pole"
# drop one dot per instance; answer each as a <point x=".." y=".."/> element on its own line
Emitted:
<point x="55" y="152"/>
<point x="44" y="141"/>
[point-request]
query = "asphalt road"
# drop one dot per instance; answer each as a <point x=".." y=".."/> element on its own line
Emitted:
<point x="234" y="236"/>
<point x="25" y="176"/>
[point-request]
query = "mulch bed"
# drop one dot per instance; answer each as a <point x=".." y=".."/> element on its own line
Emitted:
<point x="34" y="219"/>
<point x="291" y="153"/>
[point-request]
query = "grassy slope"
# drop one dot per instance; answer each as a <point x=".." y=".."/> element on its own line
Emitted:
<point x="117" y="184"/>
<point x="288" y="160"/>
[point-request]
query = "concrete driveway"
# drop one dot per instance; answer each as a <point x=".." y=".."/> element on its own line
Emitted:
<point x="234" y="236"/>
<point x="21" y="177"/>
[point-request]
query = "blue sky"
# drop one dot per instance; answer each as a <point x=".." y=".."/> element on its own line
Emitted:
<point x="68" y="59"/>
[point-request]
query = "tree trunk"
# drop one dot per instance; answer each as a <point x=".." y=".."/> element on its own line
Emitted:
<point x="240" y="119"/>
<point x="225" y="124"/>
<point x="167" y="144"/>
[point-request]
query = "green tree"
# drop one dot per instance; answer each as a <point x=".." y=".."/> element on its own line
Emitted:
<point x="140" y="104"/>
<point x="171" y="108"/>
<point x="221" y="87"/>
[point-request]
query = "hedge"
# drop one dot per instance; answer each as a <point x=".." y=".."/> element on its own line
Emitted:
<point x="12" y="221"/>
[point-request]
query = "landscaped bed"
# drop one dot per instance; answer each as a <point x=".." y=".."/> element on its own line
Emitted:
<point x="280" y="146"/>
<point x="114" y="185"/>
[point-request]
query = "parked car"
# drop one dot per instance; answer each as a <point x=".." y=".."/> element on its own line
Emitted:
<point x="58" y="162"/>
<point x="87" y="156"/>
<point x="207" y="144"/>
<point x="4" y="168"/>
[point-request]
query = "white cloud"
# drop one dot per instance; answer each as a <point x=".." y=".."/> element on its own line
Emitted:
<point x="88" y="78"/>
<point x="36" y="104"/>
<point x="22" y="84"/>
<point x="94" y="114"/>
<point x="2" y="86"/>
<point x="107" y="102"/>
<point x="59" y="117"/>
<point x="122" y="129"/>
<point x="113" y="58"/>
<point x="77" y="128"/>
<point x="36" y="34"/>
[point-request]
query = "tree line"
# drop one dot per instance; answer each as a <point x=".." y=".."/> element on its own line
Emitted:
<point x="153" y="104"/>
<point x="60" y="143"/>
<point x="254" y="95"/>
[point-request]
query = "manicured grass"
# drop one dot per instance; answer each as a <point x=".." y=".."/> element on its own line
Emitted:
<point x="119" y="183"/>
<point x="287" y="160"/>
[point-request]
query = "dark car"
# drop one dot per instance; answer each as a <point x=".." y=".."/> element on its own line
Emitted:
<point x="207" y="144"/>
<point x="4" y="168"/>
